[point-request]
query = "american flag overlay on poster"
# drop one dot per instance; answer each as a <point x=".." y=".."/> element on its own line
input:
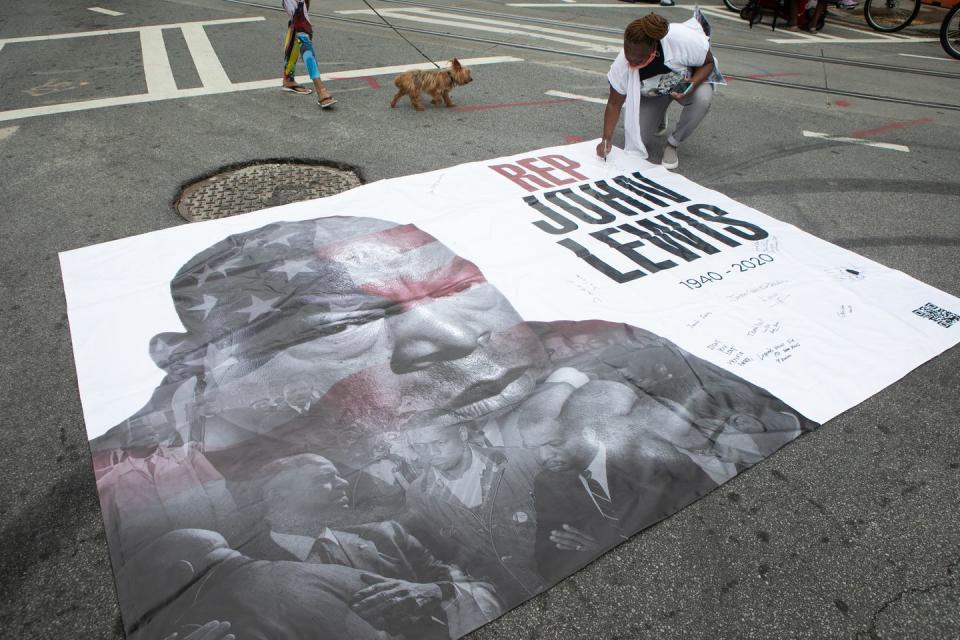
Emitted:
<point x="401" y="411"/>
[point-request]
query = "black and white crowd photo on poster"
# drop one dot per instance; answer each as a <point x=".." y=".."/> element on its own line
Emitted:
<point x="357" y="436"/>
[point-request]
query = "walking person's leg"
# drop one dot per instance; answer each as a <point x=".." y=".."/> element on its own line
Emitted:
<point x="816" y="21"/>
<point x="695" y="108"/>
<point x="291" y="53"/>
<point x="324" y="99"/>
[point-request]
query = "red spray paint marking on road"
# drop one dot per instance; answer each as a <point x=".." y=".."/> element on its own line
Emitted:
<point x="841" y="103"/>
<point x="372" y="82"/>
<point x="866" y="133"/>
<point x="572" y="139"/>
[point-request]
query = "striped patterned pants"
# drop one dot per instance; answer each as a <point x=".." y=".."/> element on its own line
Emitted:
<point x="295" y="45"/>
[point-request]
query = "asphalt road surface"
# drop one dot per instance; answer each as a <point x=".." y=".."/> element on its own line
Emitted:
<point x="850" y="532"/>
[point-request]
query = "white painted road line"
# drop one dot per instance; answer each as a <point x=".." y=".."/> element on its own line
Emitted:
<point x="597" y="5"/>
<point x="110" y="32"/>
<point x="574" y="96"/>
<point x="592" y="5"/>
<point x="832" y="40"/>
<point x="106" y="12"/>
<point x="600" y="44"/>
<point x="273" y="83"/>
<point x="941" y="58"/>
<point x="156" y="64"/>
<point x="860" y="141"/>
<point x="204" y="57"/>
<point x="400" y="68"/>
<point x="715" y="12"/>
<point x="575" y="5"/>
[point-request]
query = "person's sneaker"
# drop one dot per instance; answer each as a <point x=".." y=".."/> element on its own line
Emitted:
<point x="662" y="127"/>
<point x="847" y="4"/>
<point x="667" y="3"/>
<point x="670" y="159"/>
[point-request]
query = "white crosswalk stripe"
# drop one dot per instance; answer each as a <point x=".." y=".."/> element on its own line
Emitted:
<point x="205" y="58"/>
<point x="589" y="42"/>
<point x="860" y="141"/>
<point x="156" y="64"/>
<point x="106" y="12"/>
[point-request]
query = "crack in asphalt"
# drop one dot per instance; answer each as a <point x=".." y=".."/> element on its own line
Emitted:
<point x="871" y="631"/>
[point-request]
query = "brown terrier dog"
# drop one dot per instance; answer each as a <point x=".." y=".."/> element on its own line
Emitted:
<point x="436" y="82"/>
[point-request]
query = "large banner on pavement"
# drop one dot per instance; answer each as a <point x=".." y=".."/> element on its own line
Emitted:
<point x="401" y="411"/>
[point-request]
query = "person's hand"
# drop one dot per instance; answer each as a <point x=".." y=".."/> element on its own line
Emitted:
<point x="393" y="595"/>
<point x="680" y="96"/>
<point x="572" y="539"/>
<point x="213" y="630"/>
<point x="603" y="149"/>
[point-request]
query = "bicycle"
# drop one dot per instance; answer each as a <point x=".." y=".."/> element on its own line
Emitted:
<point x="950" y="32"/>
<point x="751" y="10"/>
<point x="890" y="15"/>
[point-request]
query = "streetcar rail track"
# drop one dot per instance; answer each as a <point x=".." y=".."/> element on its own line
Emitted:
<point x="591" y="56"/>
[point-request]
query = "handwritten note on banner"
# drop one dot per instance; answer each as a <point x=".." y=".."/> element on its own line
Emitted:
<point x="405" y="409"/>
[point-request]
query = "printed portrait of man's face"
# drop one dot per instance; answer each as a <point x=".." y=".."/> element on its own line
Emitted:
<point x="350" y="326"/>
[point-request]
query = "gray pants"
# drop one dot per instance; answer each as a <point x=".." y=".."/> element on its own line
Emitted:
<point x="654" y="110"/>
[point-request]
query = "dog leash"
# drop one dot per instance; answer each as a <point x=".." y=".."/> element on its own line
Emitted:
<point x="386" y="22"/>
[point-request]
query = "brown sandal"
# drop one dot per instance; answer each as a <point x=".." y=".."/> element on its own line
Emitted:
<point x="325" y="100"/>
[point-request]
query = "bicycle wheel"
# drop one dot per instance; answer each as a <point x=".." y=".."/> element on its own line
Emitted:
<point x="950" y="32"/>
<point x="735" y="5"/>
<point x="890" y="15"/>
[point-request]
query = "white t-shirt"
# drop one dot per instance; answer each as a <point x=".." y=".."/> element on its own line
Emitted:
<point x="684" y="47"/>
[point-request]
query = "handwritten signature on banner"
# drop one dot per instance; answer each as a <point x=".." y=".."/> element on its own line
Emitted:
<point x="782" y="351"/>
<point x="763" y="327"/>
<point x="700" y="318"/>
<point x="762" y="287"/>
<point x="779" y="352"/>
<point x="767" y="245"/>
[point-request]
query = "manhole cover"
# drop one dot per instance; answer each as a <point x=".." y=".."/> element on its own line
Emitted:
<point x="259" y="185"/>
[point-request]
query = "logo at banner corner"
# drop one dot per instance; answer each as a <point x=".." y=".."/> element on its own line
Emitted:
<point x="942" y="317"/>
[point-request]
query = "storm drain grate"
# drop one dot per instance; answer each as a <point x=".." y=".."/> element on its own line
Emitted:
<point x="262" y="184"/>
